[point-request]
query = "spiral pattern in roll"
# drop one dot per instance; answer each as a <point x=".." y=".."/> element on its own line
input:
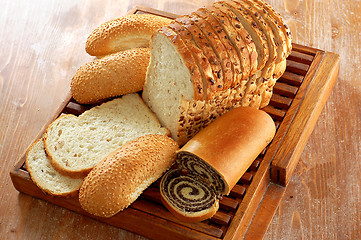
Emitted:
<point x="186" y="192"/>
<point x="198" y="167"/>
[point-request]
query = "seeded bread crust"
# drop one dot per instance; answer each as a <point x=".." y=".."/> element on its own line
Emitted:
<point x="219" y="33"/>
<point x="267" y="94"/>
<point x="261" y="49"/>
<point x="203" y="43"/>
<point x="281" y="40"/>
<point x="130" y="31"/>
<point x="218" y="48"/>
<point x="203" y="62"/>
<point x="189" y="60"/>
<point x="268" y="9"/>
<point x="267" y="71"/>
<point x="241" y="40"/>
<point x="258" y="37"/>
<point x="235" y="28"/>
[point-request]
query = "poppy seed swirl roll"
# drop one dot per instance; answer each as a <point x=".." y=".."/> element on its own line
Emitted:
<point x="212" y="162"/>
<point x="186" y="192"/>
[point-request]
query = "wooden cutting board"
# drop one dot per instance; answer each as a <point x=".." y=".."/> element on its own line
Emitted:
<point x="298" y="99"/>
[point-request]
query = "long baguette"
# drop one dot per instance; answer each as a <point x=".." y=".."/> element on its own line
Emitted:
<point x="131" y="31"/>
<point x="121" y="177"/>
<point x="113" y="75"/>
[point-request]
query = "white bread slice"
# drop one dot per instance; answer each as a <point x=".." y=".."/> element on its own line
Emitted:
<point x="45" y="176"/>
<point x="76" y="144"/>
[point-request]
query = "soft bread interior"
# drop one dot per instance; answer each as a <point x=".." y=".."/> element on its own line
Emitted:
<point x="77" y="144"/>
<point x="45" y="176"/>
<point x="167" y="81"/>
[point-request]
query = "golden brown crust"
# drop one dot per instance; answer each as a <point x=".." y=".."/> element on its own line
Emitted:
<point x="232" y="142"/>
<point x="113" y="75"/>
<point x="219" y="49"/>
<point x="241" y="40"/>
<point x="120" y="178"/>
<point x="131" y="31"/>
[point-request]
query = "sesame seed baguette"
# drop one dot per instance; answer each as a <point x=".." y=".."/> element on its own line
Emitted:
<point x="119" y="179"/>
<point x="218" y="47"/>
<point x="209" y="87"/>
<point x="45" y="176"/>
<point x="113" y="75"/>
<point x="203" y="43"/>
<point x="130" y="31"/>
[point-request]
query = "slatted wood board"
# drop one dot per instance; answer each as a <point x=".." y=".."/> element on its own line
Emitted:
<point x="298" y="99"/>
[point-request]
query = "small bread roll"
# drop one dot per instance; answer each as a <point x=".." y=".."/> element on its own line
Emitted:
<point x="131" y="31"/>
<point x="120" y="178"/>
<point x="113" y="75"/>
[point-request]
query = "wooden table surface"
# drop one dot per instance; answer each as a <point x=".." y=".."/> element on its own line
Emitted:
<point x="42" y="46"/>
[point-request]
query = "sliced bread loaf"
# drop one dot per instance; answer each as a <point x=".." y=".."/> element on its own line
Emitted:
<point x="45" y="176"/>
<point x="254" y="51"/>
<point x="76" y="144"/>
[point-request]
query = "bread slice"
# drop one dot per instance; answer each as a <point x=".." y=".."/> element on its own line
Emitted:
<point x="203" y="43"/>
<point x="268" y="9"/>
<point x="218" y="48"/>
<point x="217" y="32"/>
<point x="130" y="31"/>
<point x="240" y="39"/>
<point x="266" y="36"/>
<point x="243" y="42"/>
<point x="45" y="176"/>
<point x="119" y="179"/>
<point x="76" y="144"/>
<point x="236" y="15"/>
<point x="198" y="54"/>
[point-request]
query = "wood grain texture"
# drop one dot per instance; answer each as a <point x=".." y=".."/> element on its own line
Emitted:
<point x="42" y="47"/>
